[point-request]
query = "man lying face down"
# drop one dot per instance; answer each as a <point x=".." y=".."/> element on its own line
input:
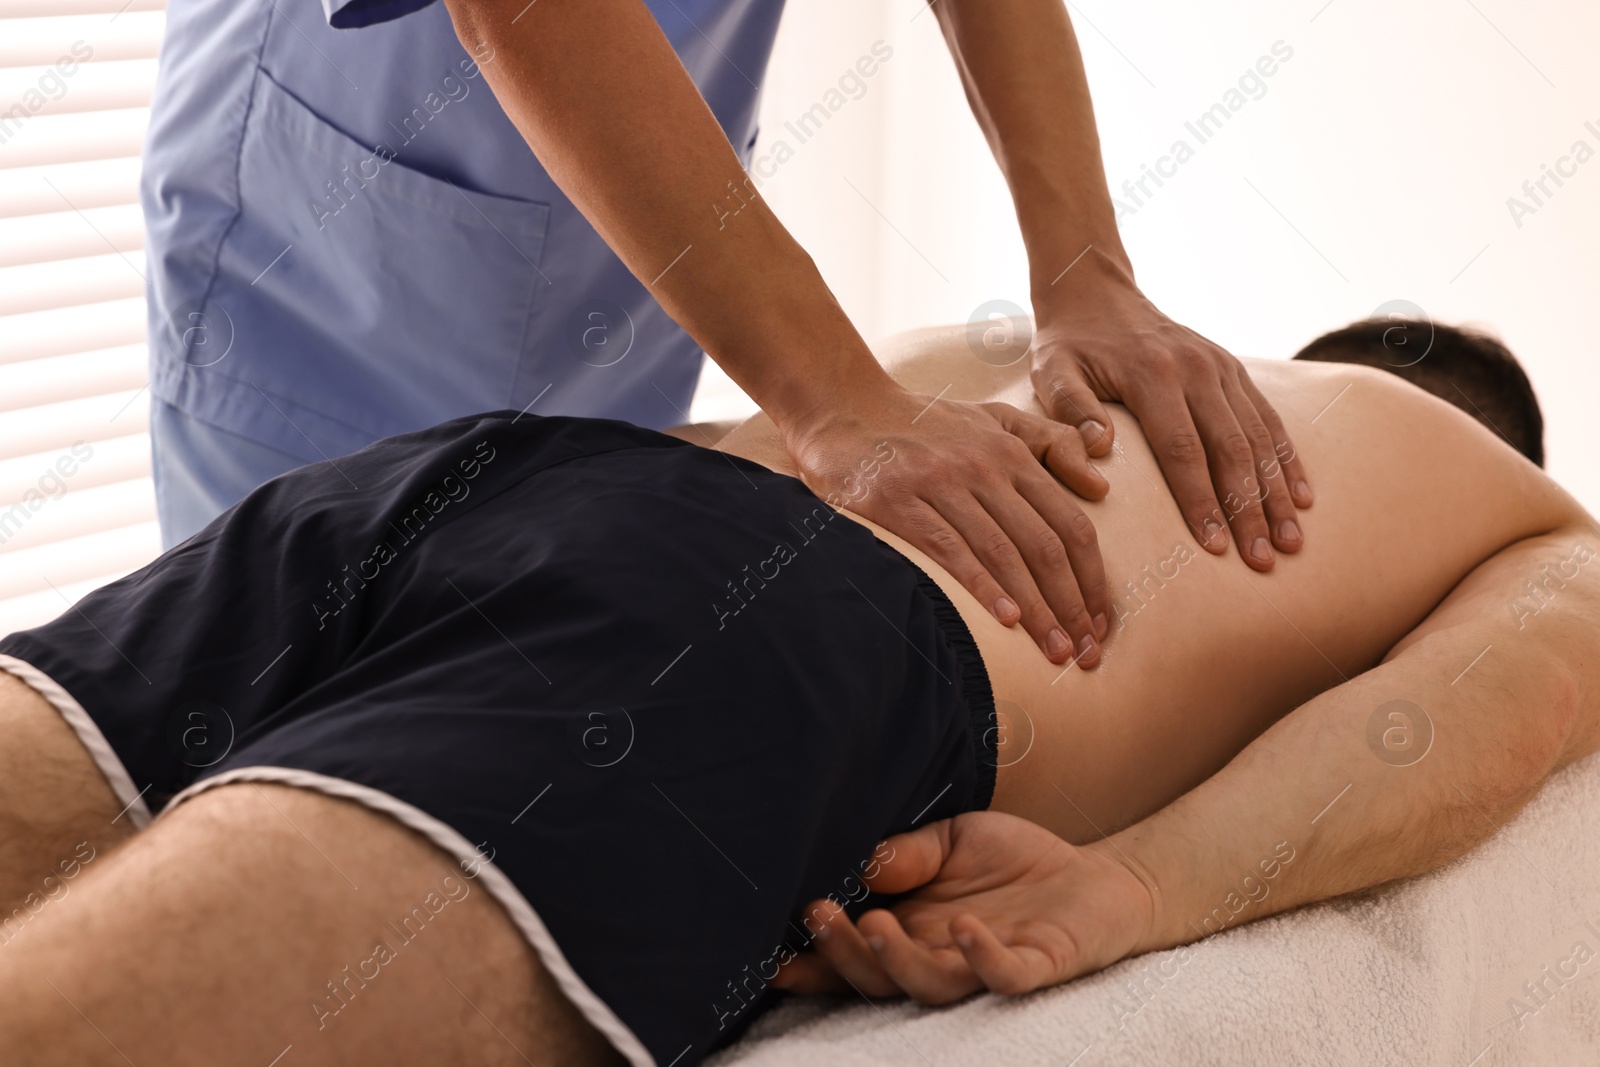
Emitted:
<point x="558" y="740"/>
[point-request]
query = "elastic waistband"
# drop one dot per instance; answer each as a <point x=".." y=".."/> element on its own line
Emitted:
<point x="976" y="692"/>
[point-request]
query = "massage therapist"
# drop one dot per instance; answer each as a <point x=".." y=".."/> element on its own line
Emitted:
<point x="368" y="216"/>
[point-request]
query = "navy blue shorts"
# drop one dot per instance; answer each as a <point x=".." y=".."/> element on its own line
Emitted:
<point x="654" y="698"/>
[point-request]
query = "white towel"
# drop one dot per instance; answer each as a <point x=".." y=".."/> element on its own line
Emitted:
<point x="1486" y="961"/>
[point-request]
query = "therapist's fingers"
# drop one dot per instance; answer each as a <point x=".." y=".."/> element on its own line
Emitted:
<point x="1081" y="600"/>
<point x="1068" y="399"/>
<point x="1232" y="437"/>
<point x="1013" y="543"/>
<point x="1278" y="510"/>
<point x="1060" y="448"/>
<point x="926" y="527"/>
<point x="1163" y="412"/>
<point x="1037" y="542"/>
<point x="1285" y="455"/>
<point x="1205" y="426"/>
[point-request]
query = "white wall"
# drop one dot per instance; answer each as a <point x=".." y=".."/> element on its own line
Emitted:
<point x="1390" y="141"/>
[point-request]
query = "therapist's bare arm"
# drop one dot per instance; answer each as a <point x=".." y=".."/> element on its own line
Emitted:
<point x="599" y="94"/>
<point x="1222" y="447"/>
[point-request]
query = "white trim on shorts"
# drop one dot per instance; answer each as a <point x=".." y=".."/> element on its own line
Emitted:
<point x="495" y="881"/>
<point x="99" y="749"/>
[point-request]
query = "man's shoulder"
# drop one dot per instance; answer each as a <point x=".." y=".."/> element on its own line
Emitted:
<point x="1302" y="382"/>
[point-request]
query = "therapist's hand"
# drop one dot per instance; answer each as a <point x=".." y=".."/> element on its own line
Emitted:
<point x="974" y="486"/>
<point x="627" y="136"/>
<point x="1224" y="451"/>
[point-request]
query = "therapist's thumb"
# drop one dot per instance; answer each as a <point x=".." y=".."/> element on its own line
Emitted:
<point x="1060" y="448"/>
<point x="1068" y="398"/>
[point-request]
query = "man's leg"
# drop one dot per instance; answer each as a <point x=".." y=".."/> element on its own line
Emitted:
<point x="246" y="925"/>
<point x="58" y="817"/>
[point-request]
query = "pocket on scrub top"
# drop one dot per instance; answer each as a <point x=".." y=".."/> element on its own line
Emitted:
<point x="384" y="298"/>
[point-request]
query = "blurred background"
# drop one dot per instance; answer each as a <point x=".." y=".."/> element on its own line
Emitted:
<point x="1374" y="166"/>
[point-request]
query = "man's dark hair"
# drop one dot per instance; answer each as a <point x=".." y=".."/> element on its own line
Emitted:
<point x="1469" y="369"/>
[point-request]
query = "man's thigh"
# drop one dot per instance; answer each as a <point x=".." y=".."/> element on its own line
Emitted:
<point x="253" y="920"/>
<point x="58" y="816"/>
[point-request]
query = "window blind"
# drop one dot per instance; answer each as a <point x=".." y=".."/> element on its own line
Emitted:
<point x="76" y="504"/>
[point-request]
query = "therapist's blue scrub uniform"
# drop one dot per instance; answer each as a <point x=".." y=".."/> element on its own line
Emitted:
<point x="348" y="239"/>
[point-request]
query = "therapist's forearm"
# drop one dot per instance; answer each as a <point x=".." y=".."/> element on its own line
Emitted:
<point x="1023" y="73"/>
<point x="1318" y="806"/>
<point x="599" y="94"/>
<point x="601" y="97"/>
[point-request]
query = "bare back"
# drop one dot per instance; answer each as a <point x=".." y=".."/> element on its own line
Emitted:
<point x="1204" y="654"/>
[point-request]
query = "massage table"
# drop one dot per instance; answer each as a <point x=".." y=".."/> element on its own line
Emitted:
<point x="1486" y="961"/>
